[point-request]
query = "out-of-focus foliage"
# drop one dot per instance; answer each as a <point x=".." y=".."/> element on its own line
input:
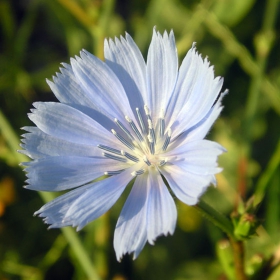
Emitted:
<point x="241" y="38"/>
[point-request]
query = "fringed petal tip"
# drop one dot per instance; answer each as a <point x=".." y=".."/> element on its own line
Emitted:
<point x="21" y="151"/>
<point x="135" y="254"/>
<point x="26" y="153"/>
<point x="55" y="226"/>
<point x="121" y="251"/>
<point x="225" y="92"/>
<point x="36" y="105"/>
<point x="48" y="221"/>
<point x="219" y="150"/>
<point x="224" y="150"/>
<point x="152" y="241"/>
<point x="219" y="170"/>
<point x="26" y="163"/>
<point x="38" y="213"/>
<point x="24" y="128"/>
<point x="165" y="33"/>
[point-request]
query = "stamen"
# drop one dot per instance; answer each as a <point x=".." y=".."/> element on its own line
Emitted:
<point x="114" y="157"/>
<point x="141" y="121"/>
<point x="147" y="111"/>
<point x="161" y="123"/>
<point x="123" y="128"/>
<point x="110" y="173"/>
<point x="125" y="142"/>
<point x="145" y="159"/>
<point x="167" y="140"/>
<point x="161" y="127"/>
<point x="129" y="156"/>
<point x="163" y="162"/>
<point x="135" y="129"/>
<point x="152" y="144"/>
<point x="138" y="172"/>
<point x="152" y="130"/>
<point x="108" y="149"/>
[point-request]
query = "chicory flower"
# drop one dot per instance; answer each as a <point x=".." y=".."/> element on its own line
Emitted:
<point x="133" y="121"/>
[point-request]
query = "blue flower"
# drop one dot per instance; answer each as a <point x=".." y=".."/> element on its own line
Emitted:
<point x="134" y="121"/>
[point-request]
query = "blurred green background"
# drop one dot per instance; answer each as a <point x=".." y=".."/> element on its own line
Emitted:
<point x="241" y="39"/>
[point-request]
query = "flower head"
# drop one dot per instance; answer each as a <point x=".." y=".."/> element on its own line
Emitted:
<point x="134" y="122"/>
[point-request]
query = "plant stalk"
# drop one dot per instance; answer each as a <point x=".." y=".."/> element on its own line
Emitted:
<point x="238" y="257"/>
<point x="215" y="217"/>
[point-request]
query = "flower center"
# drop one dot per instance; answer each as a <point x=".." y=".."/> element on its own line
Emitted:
<point x="146" y="145"/>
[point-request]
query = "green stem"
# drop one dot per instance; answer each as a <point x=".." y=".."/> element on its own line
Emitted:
<point x="263" y="46"/>
<point x="238" y="256"/>
<point x="225" y="257"/>
<point x="76" y="244"/>
<point x="53" y="254"/>
<point x="80" y="253"/>
<point x="216" y="218"/>
<point x="266" y="176"/>
<point x="11" y="139"/>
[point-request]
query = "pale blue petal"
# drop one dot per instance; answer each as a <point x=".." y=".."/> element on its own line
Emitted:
<point x="67" y="172"/>
<point x="200" y="130"/>
<point x="67" y="89"/>
<point x="105" y="121"/>
<point x="188" y="187"/>
<point x="125" y="59"/>
<point x="97" y="199"/>
<point x="148" y="213"/>
<point x="54" y="211"/>
<point x="214" y="181"/>
<point x="161" y="212"/>
<point x="64" y="122"/>
<point x="187" y="76"/>
<point x="131" y="229"/>
<point x="37" y="144"/>
<point x="162" y="69"/>
<point x="195" y="93"/>
<point x="84" y="204"/>
<point x="200" y="107"/>
<point x="199" y="157"/>
<point x="186" y="146"/>
<point x="199" y="162"/>
<point x="100" y="82"/>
